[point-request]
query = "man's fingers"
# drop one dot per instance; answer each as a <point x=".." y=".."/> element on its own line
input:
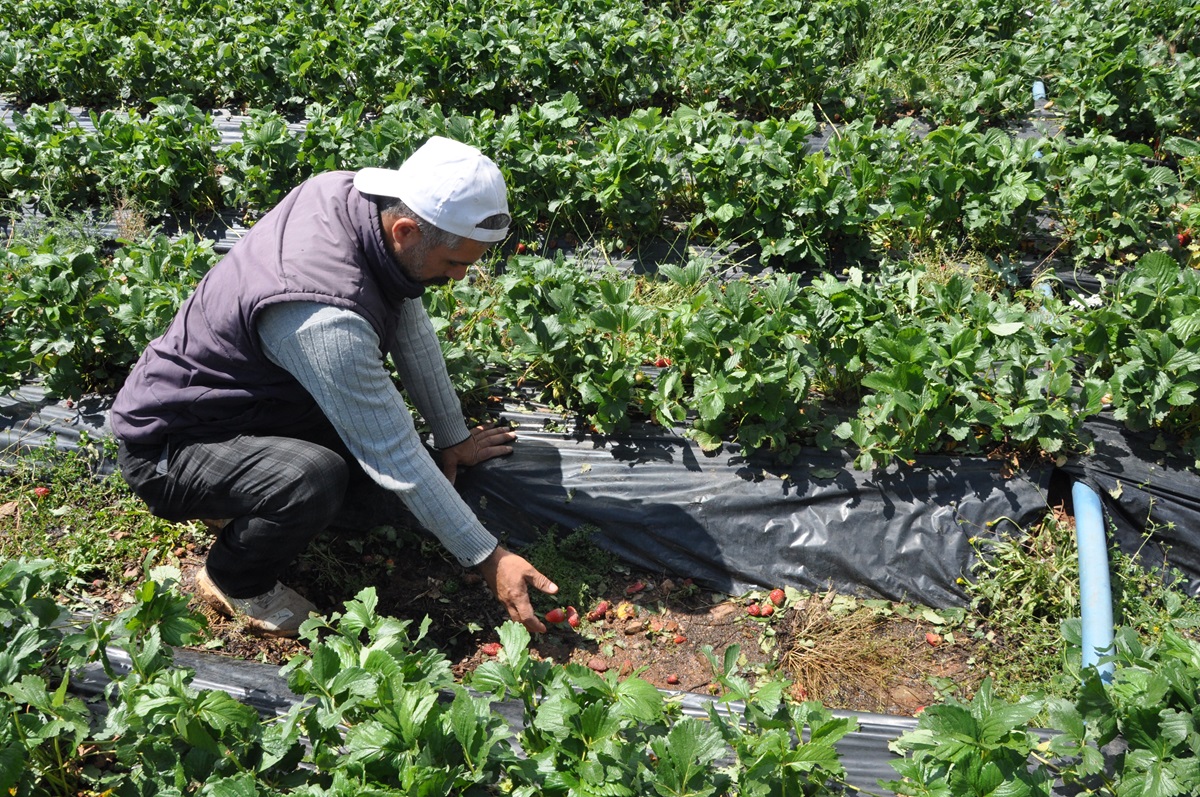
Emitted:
<point x="492" y="441"/>
<point x="494" y="434"/>
<point x="524" y="611"/>
<point x="520" y="610"/>
<point x="510" y="576"/>
<point x="530" y="621"/>
<point x="542" y="583"/>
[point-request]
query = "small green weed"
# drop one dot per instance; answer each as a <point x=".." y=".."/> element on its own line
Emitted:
<point x="1145" y="598"/>
<point x="580" y="567"/>
<point x="1023" y="585"/>
<point x="55" y="504"/>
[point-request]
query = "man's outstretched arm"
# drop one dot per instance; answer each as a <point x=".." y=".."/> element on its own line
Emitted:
<point x="334" y="354"/>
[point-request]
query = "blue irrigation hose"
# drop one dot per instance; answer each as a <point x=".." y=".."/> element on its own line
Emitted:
<point x="1095" y="588"/>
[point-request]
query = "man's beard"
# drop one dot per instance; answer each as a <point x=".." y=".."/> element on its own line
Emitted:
<point x="409" y="262"/>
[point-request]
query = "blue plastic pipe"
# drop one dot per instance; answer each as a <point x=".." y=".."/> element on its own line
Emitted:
<point x="1095" y="587"/>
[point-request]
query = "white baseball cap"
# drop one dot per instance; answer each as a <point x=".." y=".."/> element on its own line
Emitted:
<point x="451" y="185"/>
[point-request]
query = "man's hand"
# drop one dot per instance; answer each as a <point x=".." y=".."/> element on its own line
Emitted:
<point x="509" y="576"/>
<point x="485" y="442"/>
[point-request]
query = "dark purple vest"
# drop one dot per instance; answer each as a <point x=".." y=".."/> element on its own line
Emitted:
<point x="207" y="375"/>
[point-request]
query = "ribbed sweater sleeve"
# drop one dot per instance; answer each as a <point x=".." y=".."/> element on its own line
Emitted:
<point x="417" y="355"/>
<point x="334" y="353"/>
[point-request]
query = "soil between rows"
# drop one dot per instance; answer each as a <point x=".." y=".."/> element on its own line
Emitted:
<point x="858" y="660"/>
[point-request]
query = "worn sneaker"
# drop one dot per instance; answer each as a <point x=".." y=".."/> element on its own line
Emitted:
<point x="277" y="612"/>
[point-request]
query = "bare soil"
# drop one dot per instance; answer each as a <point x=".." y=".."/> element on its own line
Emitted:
<point x="845" y="653"/>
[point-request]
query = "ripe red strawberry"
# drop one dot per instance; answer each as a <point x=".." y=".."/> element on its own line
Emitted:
<point x="1184" y="237"/>
<point x="766" y="611"/>
<point x="635" y="588"/>
<point x="572" y="617"/>
<point x="662" y="362"/>
<point x="778" y="596"/>
<point x="754" y="610"/>
<point x="555" y="615"/>
<point x="522" y="249"/>
<point x="490" y="648"/>
<point x="41" y="492"/>
<point x="680" y="639"/>
<point x="933" y="639"/>
<point x="672" y="679"/>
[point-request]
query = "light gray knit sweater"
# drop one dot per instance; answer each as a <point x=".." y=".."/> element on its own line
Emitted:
<point x="334" y="354"/>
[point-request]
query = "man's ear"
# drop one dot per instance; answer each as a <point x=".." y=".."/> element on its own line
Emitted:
<point x="402" y="232"/>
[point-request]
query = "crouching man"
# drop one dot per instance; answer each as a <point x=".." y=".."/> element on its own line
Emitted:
<point x="269" y="394"/>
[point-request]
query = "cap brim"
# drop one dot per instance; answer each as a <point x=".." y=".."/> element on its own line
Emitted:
<point x="379" y="182"/>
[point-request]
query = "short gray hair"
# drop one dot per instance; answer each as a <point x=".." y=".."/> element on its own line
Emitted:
<point x="432" y="236"/>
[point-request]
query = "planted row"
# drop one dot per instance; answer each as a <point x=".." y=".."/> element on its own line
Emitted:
<point x="378" y="711"/>
<point x="1127" y="68"/>
<point x="907" y="361"/>
<point x="698" y="172"/>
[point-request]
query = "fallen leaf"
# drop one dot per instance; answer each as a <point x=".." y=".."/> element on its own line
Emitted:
<point x="626" y="610"/>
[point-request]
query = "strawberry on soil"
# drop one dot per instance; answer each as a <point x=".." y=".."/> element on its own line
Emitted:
<point x="658" y="630"/>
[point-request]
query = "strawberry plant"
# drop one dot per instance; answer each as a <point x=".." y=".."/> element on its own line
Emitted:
<point x="1149" y="707"/>
<point x="53" y="327"/>
<point x="46" y="158"/>
<point x="151" y="278"/>
<point x="761" y="59"/>
<point x="1142" y="345"/>
<point x="972" y="373"/>
<point x="165" y="159"/>
<point x="619" y="58"/>
<point x="263" y="165"/>
<point x="746" y="362"/>
<point x="627" y="174"/>
<point x="80" y="321"/>
<point x="965" y="184"/>
<point x="580" y="337"/>
<point x="992" y="746"/>
<point x="1111" y="202"/>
